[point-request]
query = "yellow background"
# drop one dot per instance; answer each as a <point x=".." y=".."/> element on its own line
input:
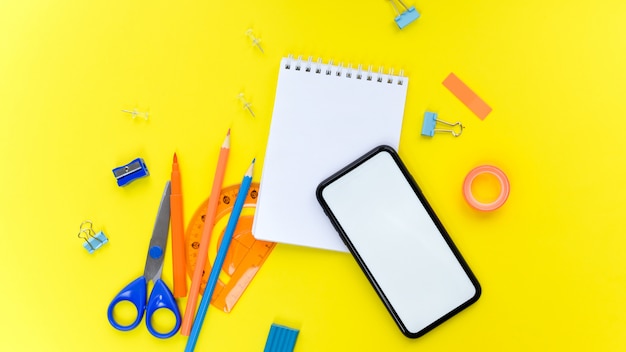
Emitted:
<point x="550" y="261"/>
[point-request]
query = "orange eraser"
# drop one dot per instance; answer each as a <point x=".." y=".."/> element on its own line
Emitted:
<point x="467" y="96"/>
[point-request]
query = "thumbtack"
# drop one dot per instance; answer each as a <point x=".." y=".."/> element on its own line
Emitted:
<point x="404" y="18"/>
<point x="430" y="120"/>
<point x="93" y="240"/>
<point x="245" y="104"/>
<point x="255" y="41"/>
<point x="134" y="113"/>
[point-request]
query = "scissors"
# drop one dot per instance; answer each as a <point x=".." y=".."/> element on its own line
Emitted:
<point x="136" y="292"/>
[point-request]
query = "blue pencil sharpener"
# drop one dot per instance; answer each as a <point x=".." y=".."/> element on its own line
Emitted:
<point x="130" y="172"/>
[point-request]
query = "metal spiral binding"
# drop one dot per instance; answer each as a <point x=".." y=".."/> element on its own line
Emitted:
<point x="330" y="69"/>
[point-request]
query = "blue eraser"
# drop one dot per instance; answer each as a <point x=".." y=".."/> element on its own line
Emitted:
<point x="428" y="127"/>
<point x="130" y="172"/>
<point x="95" y="242"/>
<point x="408" y="16"/>
<point x="281" y="339"/>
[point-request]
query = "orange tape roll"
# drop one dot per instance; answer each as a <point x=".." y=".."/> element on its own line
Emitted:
<point x="505" y="188"/>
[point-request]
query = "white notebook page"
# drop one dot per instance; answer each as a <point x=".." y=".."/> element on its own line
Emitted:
<point x="320" y="123"/>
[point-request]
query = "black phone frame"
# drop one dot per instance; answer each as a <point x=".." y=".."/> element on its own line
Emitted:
<point x="433" y="216"/>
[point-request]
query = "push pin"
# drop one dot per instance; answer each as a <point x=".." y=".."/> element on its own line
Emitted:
<point x="430" y="120"/>
<point x="93" y="240"/>
<point x="130" y="172"/>
<point x="245" y="104"/>
<point x="404" y="18"/>
<point x="135" y="113"/>
<point x="255" y="41"/>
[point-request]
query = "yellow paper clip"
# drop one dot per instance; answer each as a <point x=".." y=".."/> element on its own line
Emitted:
<point x="93" y="240"/>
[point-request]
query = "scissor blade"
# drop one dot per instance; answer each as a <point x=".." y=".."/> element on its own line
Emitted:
<point x="158" y="242"/>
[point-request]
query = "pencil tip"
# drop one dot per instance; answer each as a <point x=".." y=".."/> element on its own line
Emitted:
<point x="228" y="133"/>
<point x="250" y="168"/>
<point x="175" y="158"/>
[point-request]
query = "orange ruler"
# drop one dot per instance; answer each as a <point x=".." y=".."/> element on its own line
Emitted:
<point x="245" y="256"/>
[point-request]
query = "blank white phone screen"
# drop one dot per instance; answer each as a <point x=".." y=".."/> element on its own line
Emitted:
<point x="398" y="242"/>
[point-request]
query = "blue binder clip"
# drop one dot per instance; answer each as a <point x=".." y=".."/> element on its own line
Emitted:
<point x="281" y="339"/>
<point x="130" y="172"/>
<point x="93" y="240"/>
<point x="430" y="121"/>
<point x="406" y="17"/>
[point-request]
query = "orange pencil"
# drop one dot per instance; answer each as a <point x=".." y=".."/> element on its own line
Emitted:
<point x="203" y="251"/>
<point x="178" y="232"/>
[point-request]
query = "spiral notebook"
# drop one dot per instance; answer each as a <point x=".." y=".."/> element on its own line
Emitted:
<point x="324" y="117"/>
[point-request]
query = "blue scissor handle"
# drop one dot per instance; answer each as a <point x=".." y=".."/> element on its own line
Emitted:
<point x="135" y="293"/>
<point x="161" y="298"/>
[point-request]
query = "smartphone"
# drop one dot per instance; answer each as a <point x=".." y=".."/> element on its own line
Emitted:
<point x="398" y="241"/>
